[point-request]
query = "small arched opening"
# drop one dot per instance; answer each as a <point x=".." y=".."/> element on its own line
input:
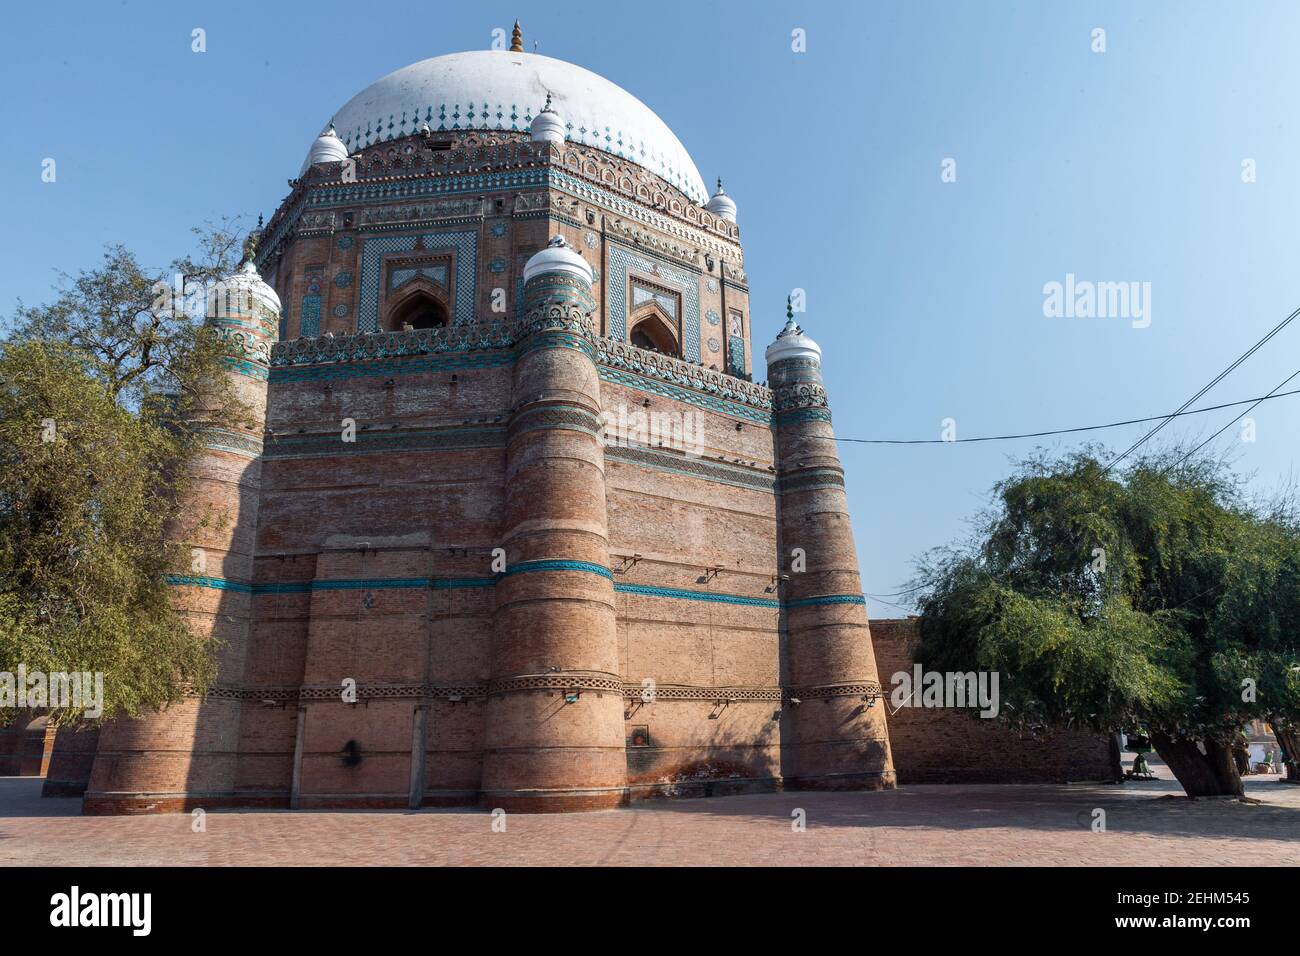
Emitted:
<point x="419" y="311"/>
<point x="652" y="332"/>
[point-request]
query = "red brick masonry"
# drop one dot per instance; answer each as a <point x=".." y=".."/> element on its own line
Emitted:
<point x="947" y="746"/>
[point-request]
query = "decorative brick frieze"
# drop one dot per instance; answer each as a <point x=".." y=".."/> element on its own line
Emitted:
<point x="532" y="567"/>
<point x="561" y="683"/>
<point x="787" y="398"/>
<point x="479" y="336"/>
<point x="810" y="478"/>
<point x="370" y="442"/>
<point x="868" y="690"/>
<point x="825" y="599"/>
<point x="550" y="682"/>
<point x="557" y="416"/>
<point x="801" y="416"/>
<point x="613" y="354"/>
<point x="237" y="443"/>
<point x="680" y="464"/>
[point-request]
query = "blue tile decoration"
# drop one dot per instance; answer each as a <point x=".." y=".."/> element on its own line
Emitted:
<point x="469" y="116"/>
<point x="828" y="599"/>
<point x="344" y="194"/>
<point x="203" y="581"/>
<point x="735" y="355"/>
<point x="802" y="415"/>
<point x="497" y="265"/>
<point x="234" y="442"/>
<point x="499" y="229"/>
<point x="646" y="590"/>
<point x="244" y="367"/>
<point x="349" y="193"/>
<point x="437" y="274"/>
<point x="309" y="314"/>
<point x="667" y="390"/>
<point x="685" y="594"/>
<point x="386" y="367"/>
<point x="345" y="242"/>
<point x="621" y="259"/>
<point x="713" y="317"/>
<point x="527" y="567"/>
<point x="343" y="279"/>
<point x="373" y="250"/>
<point x="341" y="310"/>
<point x="641" y="295"/>
<point x="309" y="317"/>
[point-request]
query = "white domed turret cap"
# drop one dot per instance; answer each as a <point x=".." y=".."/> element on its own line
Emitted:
<point x="558" y="256"/>
<point x="791" y="342"/>
<point x="247" y="281"/>
<point x="722" y="205"/>
<point x="547" y="126"/>
<point x="328" y="148"/>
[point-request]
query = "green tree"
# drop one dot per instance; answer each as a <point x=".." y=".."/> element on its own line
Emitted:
<point x="104" y="396"/>
<point x="1160" y="598"/>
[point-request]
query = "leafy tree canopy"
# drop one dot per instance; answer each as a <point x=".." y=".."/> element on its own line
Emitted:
<point x="104" y="396"/>
<point x="1160" y="598"/>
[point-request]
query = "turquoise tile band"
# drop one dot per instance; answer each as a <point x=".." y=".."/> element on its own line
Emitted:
<point x="647" y="590"/>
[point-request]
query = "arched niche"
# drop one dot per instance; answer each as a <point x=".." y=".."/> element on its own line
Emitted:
<point x="420" y="308"/>
<point x="652" y="329"/>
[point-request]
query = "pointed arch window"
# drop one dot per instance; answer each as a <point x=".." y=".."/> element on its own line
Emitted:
<point x="655" y="319"/>
<point x="419" y="310"/>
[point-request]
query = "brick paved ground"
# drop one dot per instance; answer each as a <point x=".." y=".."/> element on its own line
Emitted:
<point x="1038" y="825"/>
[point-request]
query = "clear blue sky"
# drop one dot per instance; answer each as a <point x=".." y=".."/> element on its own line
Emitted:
<point x="925" y="296"/>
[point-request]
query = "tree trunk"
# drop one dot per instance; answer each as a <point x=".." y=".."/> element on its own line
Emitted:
<point x="1241" y="755"/>
<point x="1288" y="738"/>
<point x="1210" y="774"/>
<point x="1116" y="759"/>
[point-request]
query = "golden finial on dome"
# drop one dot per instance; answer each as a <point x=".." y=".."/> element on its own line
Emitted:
<point x="517" y="40"/>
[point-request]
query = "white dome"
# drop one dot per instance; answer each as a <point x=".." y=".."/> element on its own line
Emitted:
<point x="547" y="125"/>
<point x="328" y="148"/>
<point x="498" y="90"/>
<point x="248" y="280"/>
<point x="791" y="342"/>
<point x="558" y="256"/>
<point x="722" y="205"/>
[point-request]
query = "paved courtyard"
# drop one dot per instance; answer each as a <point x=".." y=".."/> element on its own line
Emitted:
<point x="1146" y="823"/>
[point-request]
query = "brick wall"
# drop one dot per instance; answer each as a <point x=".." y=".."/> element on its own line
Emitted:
<point x="71" y="762"/>
<point x="947" y="746"/>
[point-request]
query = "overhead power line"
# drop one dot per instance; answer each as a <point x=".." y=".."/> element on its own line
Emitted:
<point x="1081" y="428"/>
<point x="1213" y="382"/>
<point x="1233" y="420"/>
